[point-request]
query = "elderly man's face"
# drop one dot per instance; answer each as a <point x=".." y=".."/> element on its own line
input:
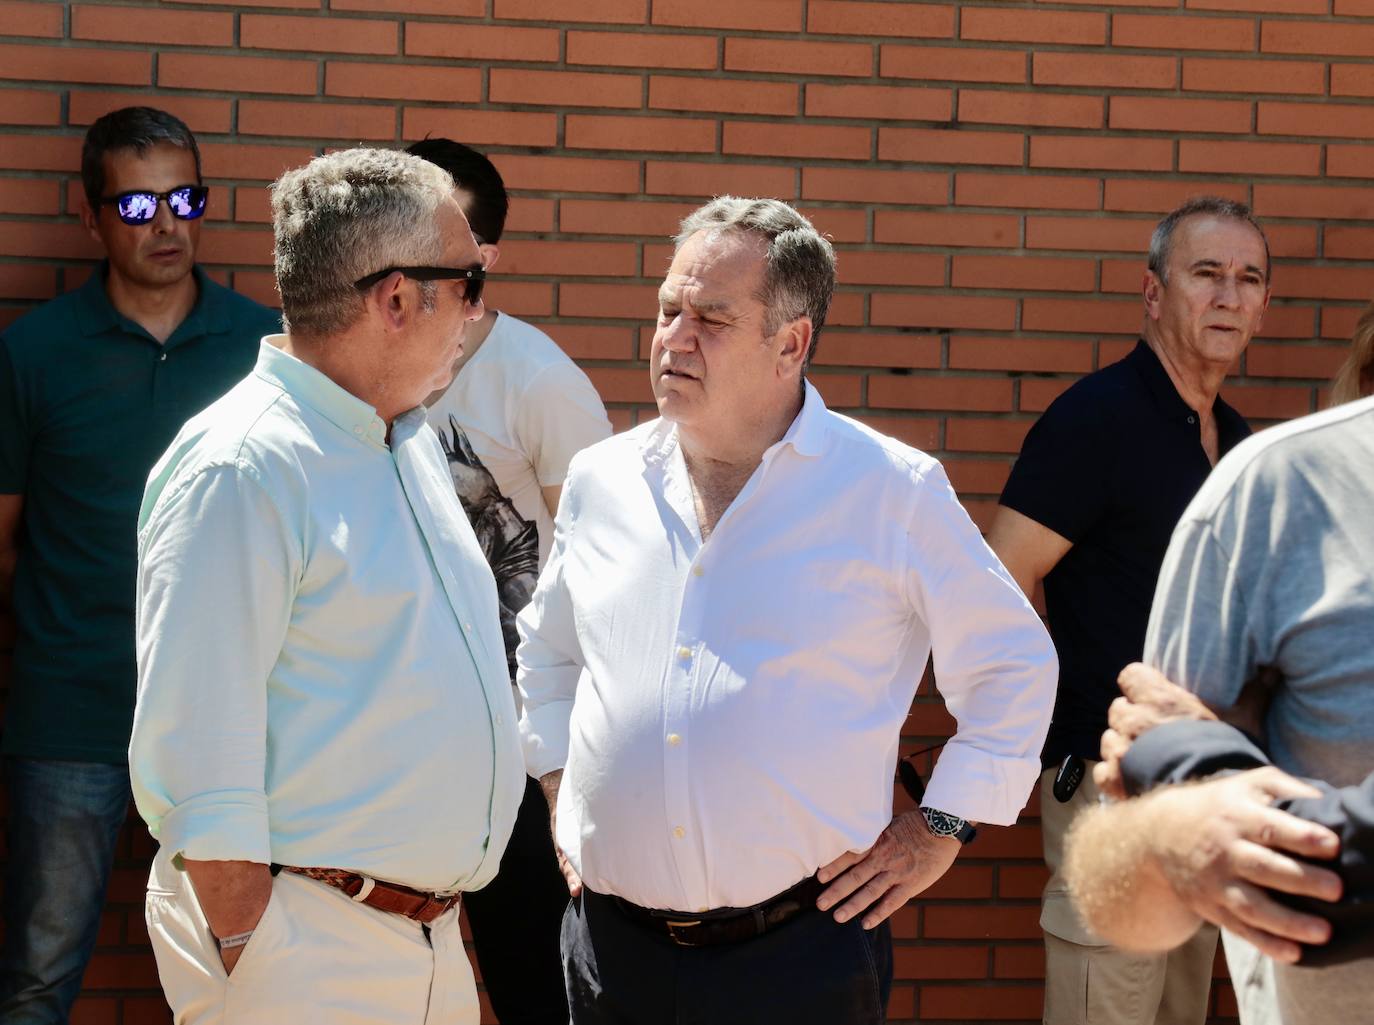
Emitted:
<point x="440" y="331"/>
<point x="1217" y="290"/>
<point x="711" y="364"/>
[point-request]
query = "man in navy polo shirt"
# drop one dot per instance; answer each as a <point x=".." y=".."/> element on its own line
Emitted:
<point x="93" y="386"/>
<point x="1102" y="479"/>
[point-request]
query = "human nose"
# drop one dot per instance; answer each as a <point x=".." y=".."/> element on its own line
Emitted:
<point x="475" y="310"/>
<point x="677" y="335"/>
<point x="163" y="221"/>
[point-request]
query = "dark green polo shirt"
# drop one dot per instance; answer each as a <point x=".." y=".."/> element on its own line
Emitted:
<point x="88" y="402"/>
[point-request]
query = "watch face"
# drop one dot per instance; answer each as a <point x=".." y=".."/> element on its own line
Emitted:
<point x="941" y="823"/>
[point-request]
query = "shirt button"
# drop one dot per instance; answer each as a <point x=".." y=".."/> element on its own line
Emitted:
<point x="162" y="358"/>
<point x="1192" y="419"/>
<point x="358" y="431"/>
<point x="697" y="571"/>
<point x="674" y="740"/>
<point x="679" y="832"/>
<point x="685" y="654"/>
<point x="500" y="721"/>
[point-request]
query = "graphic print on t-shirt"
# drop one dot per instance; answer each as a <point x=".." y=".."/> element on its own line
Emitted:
<point x="509" y="541"/>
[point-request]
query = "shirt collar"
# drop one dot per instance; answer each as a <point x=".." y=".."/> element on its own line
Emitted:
<point x="313" y="389"/>
<point x="97" y="315"/>
<point x="806" y="435"/>
<point x="1231" y="426"/>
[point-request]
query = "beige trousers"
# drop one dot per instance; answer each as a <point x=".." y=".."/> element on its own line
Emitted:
<point x="1088" y="982"/>
<point x="315" y="957"/>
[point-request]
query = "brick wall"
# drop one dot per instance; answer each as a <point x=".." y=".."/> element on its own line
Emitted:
<point x="989" y="171"/>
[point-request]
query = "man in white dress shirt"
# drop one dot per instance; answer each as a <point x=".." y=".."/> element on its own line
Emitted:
<point x="324" y="742"/>
<point x="722" y="649"/>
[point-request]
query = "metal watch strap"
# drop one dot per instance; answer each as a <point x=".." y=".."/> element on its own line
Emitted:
<point x="942" y="823"/>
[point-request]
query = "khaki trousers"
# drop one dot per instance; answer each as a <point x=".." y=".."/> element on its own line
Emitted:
<point x="316" y="956"/>
<point x="1088" y="982"/>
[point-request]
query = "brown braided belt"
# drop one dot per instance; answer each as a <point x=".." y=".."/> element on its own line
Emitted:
<point x="416" y="905"/>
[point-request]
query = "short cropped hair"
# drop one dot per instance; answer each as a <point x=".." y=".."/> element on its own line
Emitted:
<point x="1162" y="241"/>
<point x="798" y="268"/>
<point x="477" y="176"/>
<point x="344" y="216"/>
<point x="135" y="128"/>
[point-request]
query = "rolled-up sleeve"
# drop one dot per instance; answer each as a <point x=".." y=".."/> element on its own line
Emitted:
<point x="995" y="665"/>
<point x="217" y="571"/>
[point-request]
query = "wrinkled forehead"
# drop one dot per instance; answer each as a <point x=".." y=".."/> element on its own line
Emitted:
<point x="1221" y="240"/>
<point x="716" y="265"/>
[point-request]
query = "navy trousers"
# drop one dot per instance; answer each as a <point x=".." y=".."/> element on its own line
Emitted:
<point x="809" y="971"/>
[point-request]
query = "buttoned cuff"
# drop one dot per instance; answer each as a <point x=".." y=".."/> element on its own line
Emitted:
<point x="980" y="787"/>
<point x="229" y="825"/>
<point x="544" y="737"/>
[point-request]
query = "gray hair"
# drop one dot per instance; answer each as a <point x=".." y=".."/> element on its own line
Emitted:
<point x="344" y="216"/>
<point x="798" y="269"/>
<point x="1162" y="241"/>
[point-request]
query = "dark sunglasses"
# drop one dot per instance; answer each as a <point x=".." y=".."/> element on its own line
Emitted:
<point x="474" y="276"/>
<point x="187" y="202"/>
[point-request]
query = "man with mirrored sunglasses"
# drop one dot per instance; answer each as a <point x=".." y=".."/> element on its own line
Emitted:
<point x="93" y="385"/>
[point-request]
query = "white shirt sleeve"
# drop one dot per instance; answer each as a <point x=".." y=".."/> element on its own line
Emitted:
<point x="558" y="416"/>
<point x="995" y="665"/>
<point x="217" y="572"/>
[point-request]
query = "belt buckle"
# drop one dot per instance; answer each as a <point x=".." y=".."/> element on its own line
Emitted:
<point x="673" y="925"/>
<point x="368" y="885"/>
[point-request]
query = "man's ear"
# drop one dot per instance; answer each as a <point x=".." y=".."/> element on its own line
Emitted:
<point x="90" y="219"/>
<point x="1152" y="289"/>
<point x="491" y="252"/>
<point x="794" y="343"/>
<point x="390" y="299"/>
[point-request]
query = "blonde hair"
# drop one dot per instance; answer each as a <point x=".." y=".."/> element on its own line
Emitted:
<point x="1356" y="375"/>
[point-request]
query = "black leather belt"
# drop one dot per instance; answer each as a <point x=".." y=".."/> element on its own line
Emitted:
<point x="725" y="925"/>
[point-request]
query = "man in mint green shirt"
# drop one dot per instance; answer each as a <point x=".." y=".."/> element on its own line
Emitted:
<point x="93" y="386"/>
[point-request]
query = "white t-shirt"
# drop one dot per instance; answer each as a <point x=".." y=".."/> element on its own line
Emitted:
<point x="516" y="414"/>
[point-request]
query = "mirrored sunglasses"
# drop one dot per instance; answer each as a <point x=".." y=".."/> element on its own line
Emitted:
<point x="187" y="202"/>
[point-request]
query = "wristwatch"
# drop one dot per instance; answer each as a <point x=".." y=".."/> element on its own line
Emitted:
<point x="942" y="823"/>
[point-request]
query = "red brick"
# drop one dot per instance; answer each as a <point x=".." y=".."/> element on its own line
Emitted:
<point x="615" y="12"/>
<point x="1041" y="109"/>
<point x="1285" y="359"/>
<point x="847" y="184"/>
<point x="200" y="115"/>
<point x="982" y="1002"/>
<point x="1159" y="114"/>
<point x="1262" y="6"/>
<point x="735" y="96"/>
<point x="848" y="348"/>
<point x="84" y="64"/>
<point x="1113" y="154"/>
<point x="1341" y="242"/>
<point x="1352" y="80"/>
<point x="1022" y="881"/>
<point x="31" y="19"/>
<point x="1212" y="156"/>
<point x="403" y="81"/>
<point x="756" y="15"/>
<point x="567" y="174"/>
<point x="785" y="56"/>
<point x="480" y="42"/>
<point x="1026" y="962"/>
<point x="1144" y="196"/>
<point x="1234" y="75"/>
<point x="1349" y="161"/>
<point x="323" y="120"/>
<point x="642" y="50"/>
<point x="632" y="301"/>
<point x="840" y="225"/>
<point x="135" y="25"/>
<point x="558" y="88"/>
<point x="976" y="435"/>
<point x="566" y="259"/>
<point x="714" y="179"/>
<point x="621" y="217"/>
<point x="1123" y="277"/>
<point x="27" y="196"/>
<point x="236" y="247"/>
<point x="891" y="267"/>
<point x="885" y="20"/>
<point x="1320" y="38"/>
<point x="1037" y="355"/>
<point x="1082" y="316"/>
<point x="109" y="970"/>
<point x="1326" y="282"/>
<point x="1052" y="192"/>
<point x="1319" y="201"/>
<point x="955" y="64"/>
<point x="619" y="384"/>
<point x="482" y="127"/>
<point x="522" y="298"/>
<point x="592" y="342"/>
<point x="313" y="5"/>
<point x="252" y="205"/>
<point x="1288" y="321"/>
<point x="1354" y="9"/>
<point x="661" y="134"/>
<point x="1023" y="273"/>
<point x="236" y="74"/>
<point x="38" y="240"/>
<point x="451" y="8"/>
<point x="325" y="35"/>
<point x="994" y="231"/>
<point x="1269" y="402"/>
<point x="936" y="146"/>
<point x="962" y="882"/>
<point x="981" y="394"/>
<point x="797" y="140"/>
<point x="95" y="1011"/>
<point x="941" y="312"/>
<point x="974" y="477"/>
<point x="1182" y="32"/>
<point x="31" y="107"/>
<point x="840" y="391"/>
<point x="1034" y="395"/>
<point x="1339" y="321"/>
<point x="918" y="432"/>
<point x="1341" y="121"/>
<point x="252" y="161"/>
<point x="1094" y="69"/>
<point x="1009" y="25"/>
<point x="901" y="103"/>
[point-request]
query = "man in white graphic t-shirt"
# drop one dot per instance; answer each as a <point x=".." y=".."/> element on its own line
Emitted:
<point x="517" y="411"/>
